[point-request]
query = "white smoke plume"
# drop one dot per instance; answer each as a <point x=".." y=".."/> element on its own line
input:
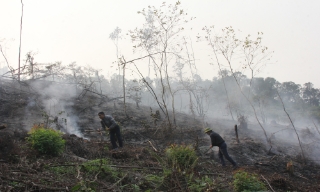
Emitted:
<point x="56" y="100"/>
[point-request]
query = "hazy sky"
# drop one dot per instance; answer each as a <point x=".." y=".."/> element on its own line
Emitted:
<point x="78" y="30"/>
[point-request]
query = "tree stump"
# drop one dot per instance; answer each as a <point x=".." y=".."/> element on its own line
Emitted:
<point x="236" y="130"/>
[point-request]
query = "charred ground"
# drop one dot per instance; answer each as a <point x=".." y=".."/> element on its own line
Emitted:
<point x="88" y="163"/>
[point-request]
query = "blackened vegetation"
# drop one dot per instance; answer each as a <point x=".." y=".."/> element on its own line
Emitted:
<point x="146" y="135"/>
<point x="12" y="100"/>
<point x="88" y="162"/>
<point x="6" y="145"/>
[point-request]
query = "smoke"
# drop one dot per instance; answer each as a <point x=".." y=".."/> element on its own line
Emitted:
<point x="56" y="101"/>
<point x="206" y="99"/>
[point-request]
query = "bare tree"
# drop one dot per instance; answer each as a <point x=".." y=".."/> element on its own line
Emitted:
<point x="295" y="130"/>
<point x="20" y="40"/>
<point x="123" y="63"/>
<point x="160" y="34"/>
<point x="227" y="45"/>
<point x="115" y="36"/>
<point x="6" y="60"/>
<point x="134" y="91"/>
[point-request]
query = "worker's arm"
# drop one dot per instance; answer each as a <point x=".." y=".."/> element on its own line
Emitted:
<point x="103" y="125"/>
<point x="212" y="140"/>
<point x="208" y="149"/>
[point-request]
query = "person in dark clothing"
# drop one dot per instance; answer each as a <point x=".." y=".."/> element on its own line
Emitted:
<point x="109" y="124"/>
<point x="217" y="140"/>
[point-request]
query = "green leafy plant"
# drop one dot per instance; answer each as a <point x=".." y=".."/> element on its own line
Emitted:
<point x="181" y="157"/>
<point x="246" y="182"/>
<point x="198" y="185"/>
<point x="154" y="180"/>
<point x="82" y="186"/>
<point x="135" y="187"/>
<point x="99" y="165"/>
<point x="46" y="141"/>
<point x="93" y="170"/>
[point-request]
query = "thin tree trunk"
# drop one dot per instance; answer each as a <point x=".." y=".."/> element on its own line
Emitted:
<point x="225" y="88"/>
<point x="222" y="77"/>
<point x="20" y="40"/>
<point x="316" y="127"/>
<point x="292" y="125"/>
<point x="254" y="110"/>
<point x="124" y="87"/>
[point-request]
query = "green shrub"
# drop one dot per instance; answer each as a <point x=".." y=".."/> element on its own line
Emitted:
<point x="99" y="165"/>
<point x="181" y="157"/>
<point x="244" y="181"/>
<point x="83" y="186"/>
<point x="46" y="141"/>
<point x="154" y="180"/>
<point x="200" y="184"/>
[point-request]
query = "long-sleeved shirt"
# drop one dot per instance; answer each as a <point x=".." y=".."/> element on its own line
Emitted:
<point x="108" y="122"/>
<point x="216" y="139"/>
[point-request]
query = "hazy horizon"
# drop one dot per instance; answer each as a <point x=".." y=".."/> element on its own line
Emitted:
<point x="78" y="31"/>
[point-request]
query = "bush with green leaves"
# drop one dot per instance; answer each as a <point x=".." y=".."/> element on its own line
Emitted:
<point x="200" y="184"/>
<point x="181" y="157"/>
<point x="101" y="166"/>
<point x="46" y="141"/>
<point x="154" y="180"/>
<point x="95" y="169"/>
<point x="83" y="186"/>
<point x="246" y="182"/>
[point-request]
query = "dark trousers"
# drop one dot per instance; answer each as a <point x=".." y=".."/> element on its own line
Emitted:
<point x="115" y="134"/>
<point x="223" y="152"/>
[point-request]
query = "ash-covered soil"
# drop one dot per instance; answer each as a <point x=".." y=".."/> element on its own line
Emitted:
<point x="87" y="163"/>
<point x="22" y="169"/>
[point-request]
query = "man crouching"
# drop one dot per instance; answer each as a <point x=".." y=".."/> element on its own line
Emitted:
<point x="109" y="124"/>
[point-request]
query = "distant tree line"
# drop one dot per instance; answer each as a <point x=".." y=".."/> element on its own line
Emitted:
<point x="177" y="85"/>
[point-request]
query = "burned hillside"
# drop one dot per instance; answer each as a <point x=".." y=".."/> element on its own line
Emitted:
<point x="87" y="162"/>
<point x="59" y="123"/>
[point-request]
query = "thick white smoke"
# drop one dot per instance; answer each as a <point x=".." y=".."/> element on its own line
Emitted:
<point x="57" y="100"/>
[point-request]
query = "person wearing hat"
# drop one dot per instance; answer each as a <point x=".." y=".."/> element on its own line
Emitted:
<point x="217" y="140"/>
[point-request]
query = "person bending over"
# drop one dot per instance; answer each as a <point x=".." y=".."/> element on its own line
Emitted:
<point x="217" y="140"/>
<point x="109" y="124"/>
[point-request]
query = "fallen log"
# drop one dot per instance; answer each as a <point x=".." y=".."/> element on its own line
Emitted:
<point x="76" y="158"/>
<point x="94" y="131"/>
<point x="136" y="167"/>
<point x="219" y="174"/>
<point x="116" y="166"/>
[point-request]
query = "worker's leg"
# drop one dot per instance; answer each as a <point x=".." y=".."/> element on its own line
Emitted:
<point x="113" y="139"/>
<point x="223" y="149"/>
<point x="221" y="158"/>
<point x="118" y="133"/>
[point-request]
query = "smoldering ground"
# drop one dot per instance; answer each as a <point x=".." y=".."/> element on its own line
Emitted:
<point x="54" y="102"/>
